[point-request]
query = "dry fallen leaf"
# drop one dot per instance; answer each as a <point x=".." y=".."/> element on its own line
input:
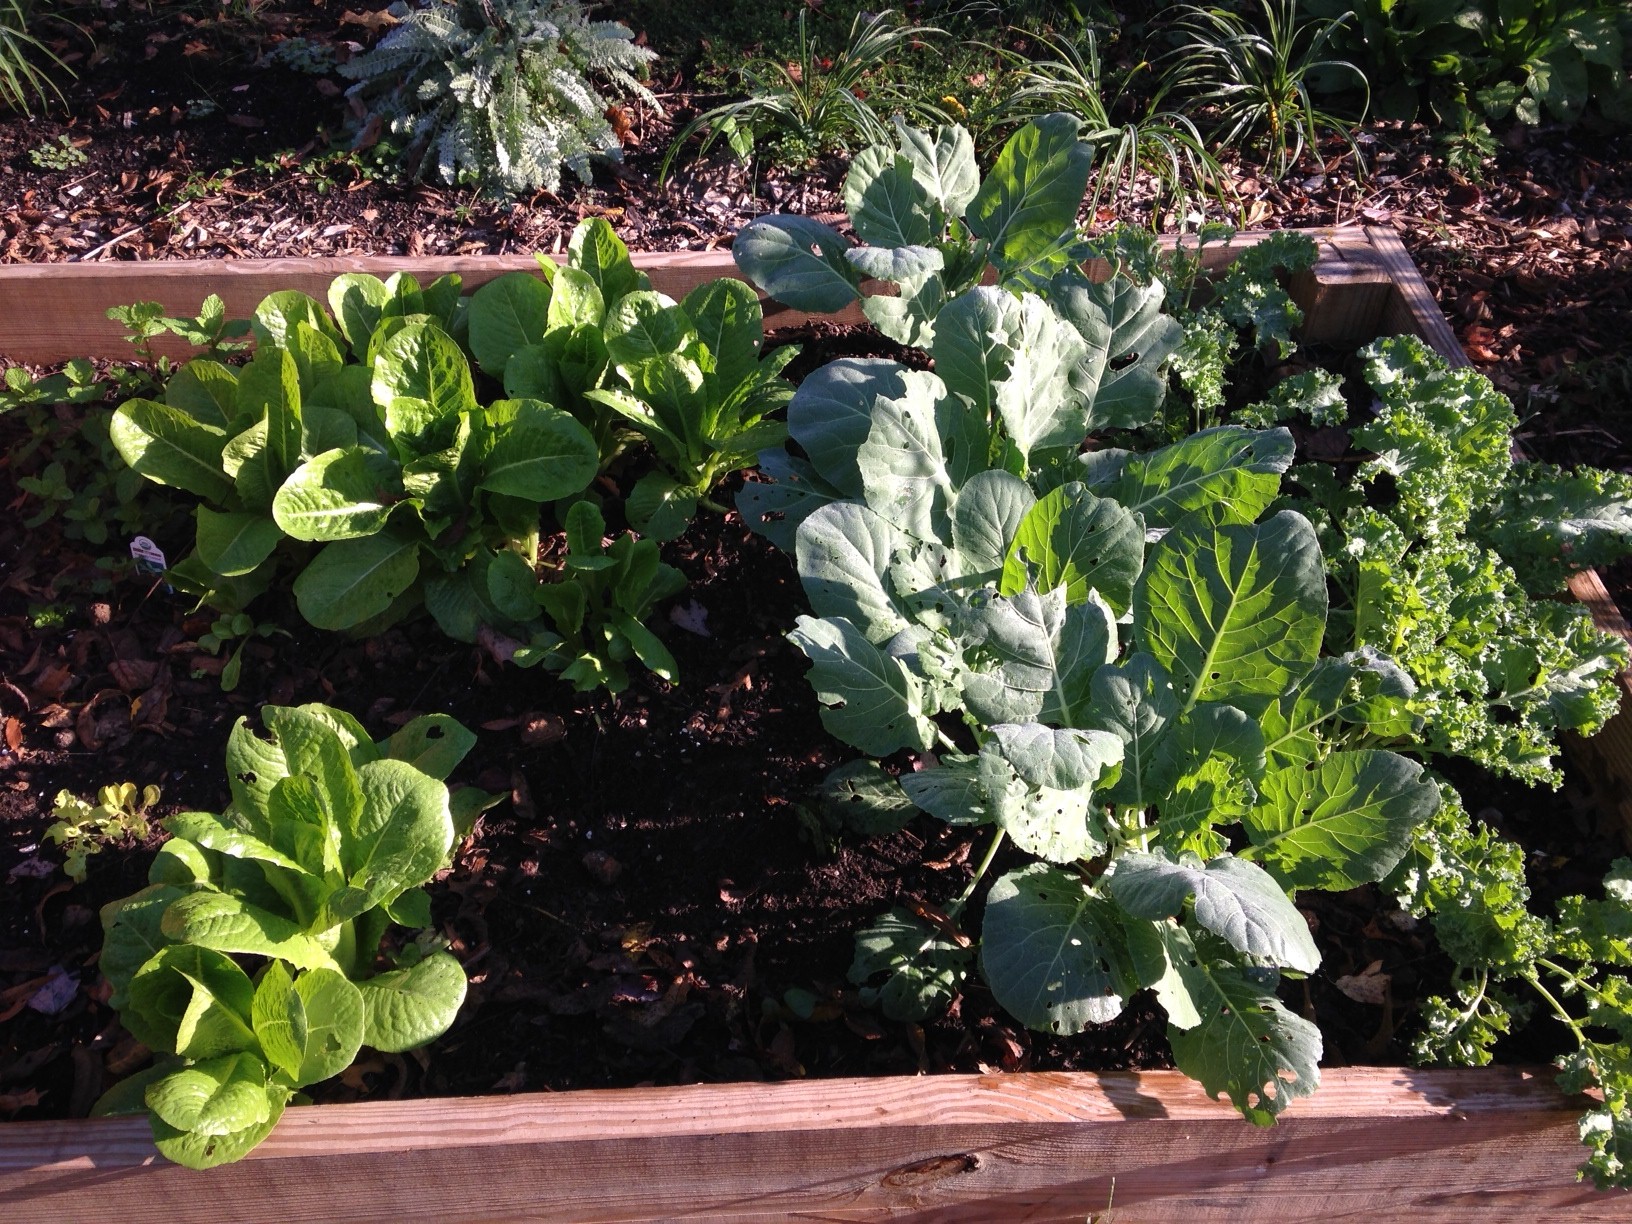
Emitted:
<point x="1369" y="986"/>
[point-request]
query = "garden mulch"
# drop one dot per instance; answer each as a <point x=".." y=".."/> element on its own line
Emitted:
<point x="659" y="900"/>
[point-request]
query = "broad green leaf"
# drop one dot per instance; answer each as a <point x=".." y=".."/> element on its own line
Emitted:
<point x="254" y="469"/>
<point x="1236" y="900"/>
<point x="254" y="767"/>
<point x="542" y="454"/>
<point x="1232" y="473"/>
<point x="887" y="204"/>
<point x="1029" y="199"/>
<point x="1075" y="540"/>
<point x="133" y="933"/>
<point x="213" y="1097"/>
<point x="844" y="552"/>
<point x="269" y="386"/>
<point x="985" y="517"/>
<point x="358" y="301"/>
<point x="223" y="923"/>
<point x="868" y="699"/>
<point x="1343" y="822"/>
<point x="790" y="492"/>
<point x="169" y="447"/>
<point x="1128" y="341"/>
<point x="214" y="832"/>
<point x="405" y="1008"/>
<point x="278" y="314"/>
<point x="945" y="166"/>
<point x="950" y="791"/>
<point x="1246" y="1043"/>
<point x="831" y="415"/>
<point x="1058" y="826"/>
<point x="279" y="1016"/>
<point x="908" y="316"/>
<point x="1060" y="759"/>
<point x="205" y="390"/>
<point x="914" y="969"/>
<point x="533" y="373"/>
<point x="576" y="303"/>
<point x="506" y="315"/>
<point x="432" y="743"/>
<point x="865" y="799"/>
<point x="1053" y="951"/>
<point x="192" y="1000"/>
<point x="327" y="750"/>
<point x="1362" y="687"/>
<point x="310" y="1027"/>
<point x="194" y="1150"/>
<point x="1134" y="699"/>
<point x="421" y="378"/>
<point x="1234" y="613"/>
<point x="352" y="580"/>
<point x="659" y="507"/>
<point x="339" y="495"/>
<point x="644" y="326"/>
<point x="405" y="833"/>
<point x="730" y="322"/>
<point x="596" y="251"/>
<point x="797" y="261"/>
<point x="904" y="463"/>
<point x="1205" y="772"/>
<point x="1036" y="658"/>
<point x="1012" y="358"/>
<point x="316" y="354"/>
<point x="305" y="829"/>
<point x="232" y="544"/>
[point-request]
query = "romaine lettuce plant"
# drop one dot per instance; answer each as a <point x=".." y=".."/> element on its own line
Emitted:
<point x="251" y="964"/>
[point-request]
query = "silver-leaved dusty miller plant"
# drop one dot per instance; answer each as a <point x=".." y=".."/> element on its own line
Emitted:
<point x="498" y="92"/>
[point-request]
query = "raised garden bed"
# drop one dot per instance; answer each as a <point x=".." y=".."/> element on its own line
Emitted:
<point x="1044" y="1146"/>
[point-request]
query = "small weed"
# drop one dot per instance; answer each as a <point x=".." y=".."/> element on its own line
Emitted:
<point x="58" y="154"/>
<point x="239" y="626"/>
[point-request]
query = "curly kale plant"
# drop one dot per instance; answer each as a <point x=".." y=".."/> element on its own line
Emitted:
<point x="251" y="964"/>
<point x="497" y="92"/>
<point x="1573" y="966"/>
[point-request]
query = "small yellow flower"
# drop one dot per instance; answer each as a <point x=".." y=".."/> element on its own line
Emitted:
<point x="954" y="107"/>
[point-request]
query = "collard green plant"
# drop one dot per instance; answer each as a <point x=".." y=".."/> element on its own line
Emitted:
<point x="498" y="93"/>
<point x="1128" y="662"/>
<point x="251" y="964"/>
<point x="930" y="224"/>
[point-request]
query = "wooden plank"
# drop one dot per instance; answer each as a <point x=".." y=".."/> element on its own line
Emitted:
<point x="1412" y="307"/>
<point x="1428" y="1146"/>
<point x="53" y="312"/>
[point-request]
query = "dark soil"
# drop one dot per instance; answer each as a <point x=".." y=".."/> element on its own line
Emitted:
<point x="659" y="880"/>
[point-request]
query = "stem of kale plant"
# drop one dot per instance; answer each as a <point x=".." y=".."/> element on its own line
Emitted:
<point x="1570" y="1021"/>
<point x="708" y="503"/>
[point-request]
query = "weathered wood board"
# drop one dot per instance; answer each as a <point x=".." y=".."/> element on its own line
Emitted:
<point x="1371" y="1144"/>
